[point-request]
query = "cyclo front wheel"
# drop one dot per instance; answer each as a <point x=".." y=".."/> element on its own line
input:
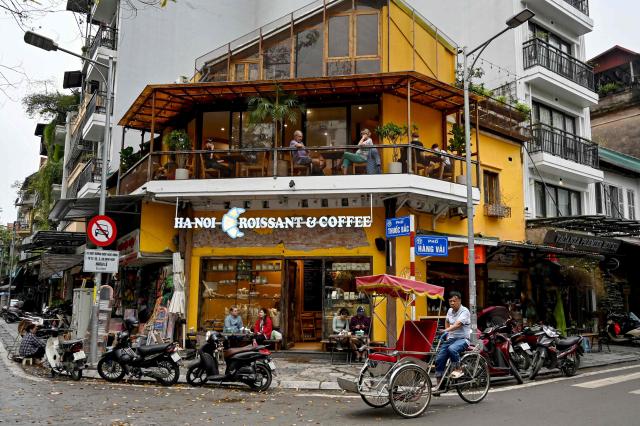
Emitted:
<point x="372" y="389"/>
<point x="410" y="391"/>
<point x="473" y="386"/>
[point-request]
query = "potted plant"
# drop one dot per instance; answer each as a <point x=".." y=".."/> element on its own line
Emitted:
<point x="178" y="140"/>
<point x="392" y="132"/>
<point x="457" y="145"/>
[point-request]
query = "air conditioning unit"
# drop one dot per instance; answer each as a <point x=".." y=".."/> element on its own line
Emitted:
<point x="183" y="79"/>
<point x="460" y="212"/>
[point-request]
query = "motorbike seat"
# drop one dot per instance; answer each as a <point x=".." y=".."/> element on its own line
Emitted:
<point x="152" y="349"/>
<point x="568" y="342"/>
<point x="233" y="351"/>
<point x="71" y="342"/>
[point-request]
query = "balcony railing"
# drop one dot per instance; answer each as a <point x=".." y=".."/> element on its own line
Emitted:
<point x="581" y="5"/>
<point x="563" y="144"/>
<point x="327" y="161"/>
<point x="497" y="210"/>
<point x="90" y="173"/>
<point x="105" y="37"/>
<point x="539" y="52"/>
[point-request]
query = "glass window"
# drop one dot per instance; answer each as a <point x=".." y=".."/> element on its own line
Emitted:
<point x="367" y="66"/>
<point x="239" y="70"/>
<point x="620" y="209"/>
<point x="491" y="188"/>
<point x="277" y="60"/>
<point x="309" y="52"/>
<point x="217" y="72"/>
<point x="254" y="71"/>
<point x="215" y="128"/>
<point x="576" y="208"/>
<point x="364" y="117"/>
<point x="326" y="126"/>
<point x="256" y="134"/>
<point x="631" y="204"/>
<point x="339" y="67"/>
<point x="366" y="35"/>
<point x="540" y="200"/>
<point x="550" y="202"/>
<point x="563" y="202"/>
<point x="599" y="200"/>
<point x="339" y="36"/>
<point x="369" y="4"/>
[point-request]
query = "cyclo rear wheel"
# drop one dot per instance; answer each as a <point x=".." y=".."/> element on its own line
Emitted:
<point x="474" y="384"/>
<point x="371" y="390"/>
<point x="410" y="390"/>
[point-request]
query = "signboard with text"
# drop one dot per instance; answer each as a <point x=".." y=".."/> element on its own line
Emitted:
<point x="398" y="227"/>
<point x="101" y="261"/>
<point x="429" y="245"/>
<point x="480" y="254"/>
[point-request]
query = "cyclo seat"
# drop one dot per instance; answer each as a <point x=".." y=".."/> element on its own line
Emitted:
<point x="568" y="342"/>
<point x="378" y="356"/>
<point x="233" y="351"/>
<point x="152" y="349"/>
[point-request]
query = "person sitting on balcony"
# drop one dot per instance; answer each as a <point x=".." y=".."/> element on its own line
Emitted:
<point x="439" y="164"/>
<point x="419" y="155"/>
<point x="301" y="156"/>
<point x="365" y="154"/>
<point x="211" y="162"/>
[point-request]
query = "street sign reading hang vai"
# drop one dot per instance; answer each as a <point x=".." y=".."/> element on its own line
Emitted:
<point x="102" y="230"/>
<point x="428" y="245"/>
<point x="101" y="261"/>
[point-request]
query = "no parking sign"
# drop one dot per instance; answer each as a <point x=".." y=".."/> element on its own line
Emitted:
<point x="102" y="230"/>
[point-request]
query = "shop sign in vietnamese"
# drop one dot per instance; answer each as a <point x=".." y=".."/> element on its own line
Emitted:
<point x="101" y="261"/>
<point x="129" y="246"/>
<point x="582" y="242"/>
<point x="398" y="226"/>
<point x="428" y="245"/>
<point x="233" y="224"/>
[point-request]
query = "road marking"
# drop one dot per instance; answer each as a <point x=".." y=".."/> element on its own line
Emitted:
<point x="635" y="392"/>
<point x="326" y="395"/>
<point x="594" y="384"/>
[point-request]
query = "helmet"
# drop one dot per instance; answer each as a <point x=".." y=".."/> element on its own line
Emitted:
<point x="131" y="323"/>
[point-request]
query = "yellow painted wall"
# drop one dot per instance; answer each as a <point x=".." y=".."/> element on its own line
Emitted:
<point x="156" y="228"/>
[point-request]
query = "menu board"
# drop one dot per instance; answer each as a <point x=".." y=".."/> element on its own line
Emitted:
<point x="312" y="285"/>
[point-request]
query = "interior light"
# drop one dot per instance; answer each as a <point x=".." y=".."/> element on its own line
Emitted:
<point x="222" y="128"/>
<point x="360" y="107"/>
<point x="308" y="112"/>
<point x="326" y="134"/>
<point x="285" y="125"/>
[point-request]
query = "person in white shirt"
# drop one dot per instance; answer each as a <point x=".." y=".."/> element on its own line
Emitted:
<point x="458" y="329"/>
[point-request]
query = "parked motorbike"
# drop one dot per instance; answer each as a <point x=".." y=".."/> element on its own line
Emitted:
<point x="623" y="328"/>
<point x="65" y="356"/>
<point x="524" y="343"/>
<point x="12" y="313"/>
<point x="498" y="351"/>
<point x="555" y="352"/>
<point x="159" y="362"/>
<point x="251" y="365"/>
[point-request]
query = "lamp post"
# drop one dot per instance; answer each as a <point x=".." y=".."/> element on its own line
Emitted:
<point x="49" y="45"/>
<point x="511" y="23"/>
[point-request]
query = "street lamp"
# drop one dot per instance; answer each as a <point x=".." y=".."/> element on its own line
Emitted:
<point x="511" y="23"/>
<point x="48" y="44"/>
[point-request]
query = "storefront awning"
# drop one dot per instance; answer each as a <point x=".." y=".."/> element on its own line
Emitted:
<point x="52" y="263"/>
<point x="82" y="208"/>
<point x="598" y="225"/>
<point x="138" y="259"/>
<point x="544" y="249"/>
<point x="54" y="240"/>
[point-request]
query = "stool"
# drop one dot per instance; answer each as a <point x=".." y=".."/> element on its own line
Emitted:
<point x="26" y="361"/>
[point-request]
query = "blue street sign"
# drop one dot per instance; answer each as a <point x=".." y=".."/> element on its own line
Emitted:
<point x="428" y="245"/>
<point x="398" y="227"/>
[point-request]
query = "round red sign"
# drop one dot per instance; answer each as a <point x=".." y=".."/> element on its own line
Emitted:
<point x="101" y="230"/>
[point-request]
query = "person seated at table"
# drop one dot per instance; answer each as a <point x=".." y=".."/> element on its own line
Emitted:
<point x="301" y="156"/>
<point x="360" y="325"/>
<point x="440" y="164"/>
<point x="264" y="327"/>
<point x="211" y="162"/>
<point x="365" y="154"/>
<point x="341" y="328"/>
<point x="31" y="346"/>
<point x="418" y="155"/>
<point x="233" y="321"/>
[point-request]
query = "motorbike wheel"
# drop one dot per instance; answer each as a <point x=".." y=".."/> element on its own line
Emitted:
<point x="515" y="372"/>
<point x="522" y="360"/>
<point x="173" y="372"/>
<point x="110" y="370"/>
<point x="76" y="374"/>
<point x="410" y="391"/>
<point x="263" y="378"/>
<point x="571" y="366"/>
<point x="369" y="389"/>
<point x="537" y="365"/>
<point x="476" y="379"/>
<point x="196" y="375"/>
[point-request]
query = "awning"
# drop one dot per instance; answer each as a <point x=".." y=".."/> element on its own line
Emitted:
<point x="53" y="263"/>
<point x="138" y="259"/>
<point x="82" y="208"/>
<point x="398" y="287"/>
<point x="598" y="225"/>
<point x="545" y="249"/>
<point x="54" y="240"/>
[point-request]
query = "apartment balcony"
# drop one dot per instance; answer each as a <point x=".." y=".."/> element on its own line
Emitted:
<point x="90" y="121"/>
<point x="570" y="14"/>
<point x="102" y="45"/>
<point x="87" y="183"/>
<point x="104" y="10"/>
<point x="436" y="180"/>
<point x="557" y="73"/>
<point x="564" y="154"/>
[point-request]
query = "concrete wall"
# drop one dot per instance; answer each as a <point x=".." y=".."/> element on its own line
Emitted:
<point x="615" y="123"/>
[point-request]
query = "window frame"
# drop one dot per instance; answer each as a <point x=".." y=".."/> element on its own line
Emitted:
<point x="541" y="211"/>
<point x="492" y="194"/>
<point x="631" y="204"/>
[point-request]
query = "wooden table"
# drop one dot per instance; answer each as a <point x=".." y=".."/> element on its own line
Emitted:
<point x="333" y="155"/>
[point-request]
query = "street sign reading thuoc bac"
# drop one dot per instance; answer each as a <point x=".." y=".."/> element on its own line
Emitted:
<point x="428" y="245"/>
<point x="398" y="226"/>
<point x="101" y="261"/>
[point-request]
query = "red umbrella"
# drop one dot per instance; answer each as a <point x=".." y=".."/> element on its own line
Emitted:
<point x="398" y="287"/>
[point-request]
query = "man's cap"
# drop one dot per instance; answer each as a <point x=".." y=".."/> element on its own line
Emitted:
<point x="360" y="309"/>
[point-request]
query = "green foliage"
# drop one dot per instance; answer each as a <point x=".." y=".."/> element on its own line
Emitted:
<point x="127" y="158"/>
<point x="178" y="140"/>
<point x="41" y="185"/>
<point x="283" y="107"/>
<point x="457" y="139"/>
<point x="502" y="99"/>
<point x="392" y="132"/>
<point x="605" y="89"/>
<point x="50" y="106"/>
<point x="522" y="107"/>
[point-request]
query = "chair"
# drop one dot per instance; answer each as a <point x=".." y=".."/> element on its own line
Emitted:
<point x="206" y="172"/>
<point x="260" y="165"/>
<point x="308" y="326"/>
<point x="416" y="336"/>
<point x="359" y="168"/>
<point x="301" y="169"/>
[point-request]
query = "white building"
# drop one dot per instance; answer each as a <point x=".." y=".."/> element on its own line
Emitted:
<point x="542" y="64"/>
<point x="617" y="195"/>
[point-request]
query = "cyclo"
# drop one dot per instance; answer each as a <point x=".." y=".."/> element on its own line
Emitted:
<point x="400" y="375"/>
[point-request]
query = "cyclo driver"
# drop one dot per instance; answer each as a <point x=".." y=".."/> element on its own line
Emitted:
<point x="458" y="333"/>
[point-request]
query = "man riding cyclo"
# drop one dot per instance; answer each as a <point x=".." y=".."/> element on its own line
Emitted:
<point x="457" y="333"/>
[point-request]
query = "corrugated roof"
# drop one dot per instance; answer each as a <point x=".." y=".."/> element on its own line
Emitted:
<point x="619" y="159"/>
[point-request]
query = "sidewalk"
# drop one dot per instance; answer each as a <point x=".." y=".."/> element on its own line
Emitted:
<point x="301" y="371"/>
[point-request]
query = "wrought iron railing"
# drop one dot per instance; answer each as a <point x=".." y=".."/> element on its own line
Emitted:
<point x="539" y="52"/>
<point x="105" y="37"/>
<point x="497" y="210"/>
<point x="563" y="144"/>
<point x="90" y="173"/>
<point x="581" y="5"/>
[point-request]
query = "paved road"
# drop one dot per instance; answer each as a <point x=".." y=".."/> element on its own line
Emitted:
<point x="608" y="396"/>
